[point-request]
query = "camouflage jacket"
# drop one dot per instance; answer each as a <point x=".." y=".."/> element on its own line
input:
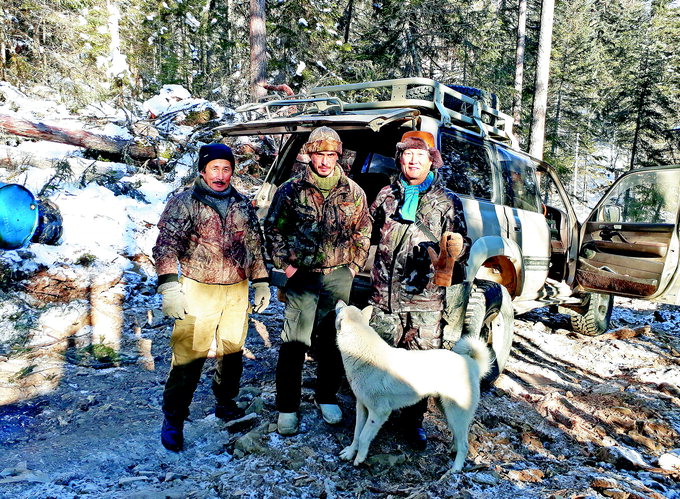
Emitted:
<point x="402" y="270"/>
<point x="309" y="232"/>
<point x="210" y="247"/>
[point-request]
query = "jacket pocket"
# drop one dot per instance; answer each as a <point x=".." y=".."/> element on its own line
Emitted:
<point x="429" y="337"/>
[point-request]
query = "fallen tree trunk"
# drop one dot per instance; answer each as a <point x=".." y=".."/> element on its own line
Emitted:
<point x="11" y="157"/>
<point x="80" y="138"/>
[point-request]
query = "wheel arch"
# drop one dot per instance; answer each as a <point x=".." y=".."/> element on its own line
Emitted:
<point x="496" y="259"/>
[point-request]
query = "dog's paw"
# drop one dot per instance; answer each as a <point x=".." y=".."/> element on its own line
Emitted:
<point x="348" y="453"/>
<point x="360" y="457"/>
<point x="457" y="466"/>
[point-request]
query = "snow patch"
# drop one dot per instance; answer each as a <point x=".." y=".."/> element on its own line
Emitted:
<point x="300" y="68"/>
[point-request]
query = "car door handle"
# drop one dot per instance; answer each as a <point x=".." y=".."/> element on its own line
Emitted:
<point x="518" y="228"/>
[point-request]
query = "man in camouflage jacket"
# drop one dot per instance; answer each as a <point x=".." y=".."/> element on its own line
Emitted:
<point x="409" y="216"/>
<point x="318" y="231"/>
<point x="212" y="234"/>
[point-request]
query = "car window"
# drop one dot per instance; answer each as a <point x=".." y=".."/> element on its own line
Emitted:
<point x="467" y="168"/>
<point x="550" y="195"/>
<point x="377" y="163"/>
<point x="520" y="188"/>
<point x="646" y="197"/>
<point x="377" y="172"/>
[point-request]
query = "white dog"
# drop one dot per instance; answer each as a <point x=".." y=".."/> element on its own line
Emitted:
<point x="384" y="378"/>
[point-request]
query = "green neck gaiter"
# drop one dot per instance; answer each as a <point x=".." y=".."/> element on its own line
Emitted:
<point x="325" y="184"/>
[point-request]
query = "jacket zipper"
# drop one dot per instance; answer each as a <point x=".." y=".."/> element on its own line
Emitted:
<point x="394" y="263"/>
<point x="323" y="206"/>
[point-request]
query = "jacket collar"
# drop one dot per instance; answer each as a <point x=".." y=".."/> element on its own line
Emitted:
<point x="218" y="201"/>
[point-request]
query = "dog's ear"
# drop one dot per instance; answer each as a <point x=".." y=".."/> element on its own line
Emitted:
<point x="339" y="306"/>
<point x="367" y="312"/>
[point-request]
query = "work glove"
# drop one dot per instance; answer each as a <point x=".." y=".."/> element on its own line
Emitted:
<point x="174" y="300"/>
<point x="450" y="248"/>
<point x="262" y="297"/>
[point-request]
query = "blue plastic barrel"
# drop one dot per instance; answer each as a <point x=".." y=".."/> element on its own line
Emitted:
<point x="18" y="216"/>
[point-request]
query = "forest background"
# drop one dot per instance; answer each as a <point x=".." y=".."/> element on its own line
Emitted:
<point x="613" y="96"/>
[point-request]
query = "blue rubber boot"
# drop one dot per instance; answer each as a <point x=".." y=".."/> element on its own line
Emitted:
<point x="172" y="434"/>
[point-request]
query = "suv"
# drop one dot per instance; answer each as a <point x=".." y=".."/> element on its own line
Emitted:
<point x="528" y="249"/>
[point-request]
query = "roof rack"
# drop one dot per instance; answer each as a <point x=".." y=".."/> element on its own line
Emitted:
<point x="433" y="97"/>
<point x="452" y="107"/>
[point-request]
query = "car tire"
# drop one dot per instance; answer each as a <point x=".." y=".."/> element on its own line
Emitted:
<point x="489" y="315"/>
<point x="593" y="319"/>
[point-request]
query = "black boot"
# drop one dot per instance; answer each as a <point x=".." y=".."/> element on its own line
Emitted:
<point x="289" y="376"/>
<point x="416" y="437"/>
<point x="177" y="395"/>
<point x="226" y="385"/>
<point x="412" y="425"/>
<point x="172" y="434"/>
<point x="228" y="411"/>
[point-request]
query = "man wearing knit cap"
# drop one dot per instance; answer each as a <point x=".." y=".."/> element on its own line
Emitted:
<point x="317" y="231"/>
<point x="209" y="247"/>
<point x="423" y="246"/>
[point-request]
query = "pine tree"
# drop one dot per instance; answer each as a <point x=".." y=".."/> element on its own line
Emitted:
<point x="643" y="105"/>
<point x="305" y="42"/>
<point x="576" y="73"/>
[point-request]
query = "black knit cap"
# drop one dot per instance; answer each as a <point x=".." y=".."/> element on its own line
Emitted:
<point x="216" y="150"/>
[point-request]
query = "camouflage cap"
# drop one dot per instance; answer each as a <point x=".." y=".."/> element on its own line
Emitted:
<point x="419" y="140"/>
<point x="323" y="139"/>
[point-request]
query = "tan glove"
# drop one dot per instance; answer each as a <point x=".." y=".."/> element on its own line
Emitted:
<point x="262" y="297"/>
<point x="450" y="248"/>
<point x="174" y="300"/>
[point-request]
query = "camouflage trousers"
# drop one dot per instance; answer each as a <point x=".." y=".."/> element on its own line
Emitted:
<point x="428" y="329"/>
<point x="410" y="330"/>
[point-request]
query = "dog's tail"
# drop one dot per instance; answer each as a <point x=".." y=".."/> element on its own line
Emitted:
<point x="476" y="349"/>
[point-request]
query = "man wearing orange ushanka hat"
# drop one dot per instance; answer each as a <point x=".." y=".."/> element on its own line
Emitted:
<point x="423" y="247"/>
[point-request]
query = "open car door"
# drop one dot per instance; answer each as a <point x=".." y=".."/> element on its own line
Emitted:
<point x="629" y="244"/>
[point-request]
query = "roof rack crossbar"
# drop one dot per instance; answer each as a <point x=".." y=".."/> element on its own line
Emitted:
<point x="323" y="103"/>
